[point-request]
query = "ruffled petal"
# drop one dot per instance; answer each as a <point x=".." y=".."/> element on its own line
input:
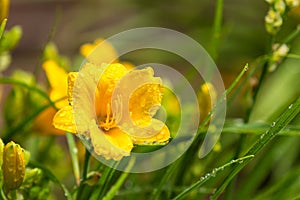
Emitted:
<point x="64" y="120"/>
<point x="136" y="99"/>
<point x="144" y="103"/>
<point x="113" y="145"/>
<point x="71" y="80"/>
<point x="162" y="136"/>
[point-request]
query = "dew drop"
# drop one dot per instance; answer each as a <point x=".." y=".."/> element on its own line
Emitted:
<point x="290" y="107"/>
<point x="262" y="136"/>
<point x="273" y="124"/>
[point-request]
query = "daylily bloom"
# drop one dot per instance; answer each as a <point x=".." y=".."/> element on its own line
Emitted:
<point x="207" y="97"/>
<point x="105" y="49"/>
<point x="57" y="78"/>
<point x="117" y="103"/>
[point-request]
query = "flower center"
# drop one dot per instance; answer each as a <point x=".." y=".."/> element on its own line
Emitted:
<point x="108" y="121"/>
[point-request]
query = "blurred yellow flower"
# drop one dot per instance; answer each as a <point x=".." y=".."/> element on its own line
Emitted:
<point x="107" y="53"/>
<point x="207" y="97"/>
<point x="57" y="78"/>
<point x="296" y="11"/>
<point x="111" y="141"/>
<point x="104" y="53"/>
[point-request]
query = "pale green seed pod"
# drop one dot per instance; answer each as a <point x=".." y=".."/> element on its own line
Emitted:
<point x="13" y="166"/>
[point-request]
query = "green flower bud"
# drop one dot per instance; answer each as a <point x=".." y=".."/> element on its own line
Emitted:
<point x="273" y="21"/>
<point x="13" y="166"/>
<point x="10" y="38"/>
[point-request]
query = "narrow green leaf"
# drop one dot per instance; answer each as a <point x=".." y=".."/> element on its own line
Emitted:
<point x="210" y="175"/>
<point x="266" y="137"/>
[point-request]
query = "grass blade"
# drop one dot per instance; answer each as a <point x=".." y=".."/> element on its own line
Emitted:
<point x="210" y="175"/>
<point x="274" y="129"/>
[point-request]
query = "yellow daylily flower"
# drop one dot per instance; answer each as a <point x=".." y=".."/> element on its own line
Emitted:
<point x="108" y="131"/>
<point x="106" y="50"/>
<point x="57" y="78"/>
<point x="207" y="97"/>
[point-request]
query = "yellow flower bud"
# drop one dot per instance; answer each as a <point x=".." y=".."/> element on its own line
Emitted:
<point x="1" y="161"/>
<point x="1" y="151"/>
<point x="4" y="7"/>
<point x="13" y="165"/>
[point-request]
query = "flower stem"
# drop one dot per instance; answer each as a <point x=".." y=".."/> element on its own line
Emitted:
<point x="2" y="27"/>
<point x="74" y="156"/>
<point x="111" y="193"/>
<point x="217" y="29"/>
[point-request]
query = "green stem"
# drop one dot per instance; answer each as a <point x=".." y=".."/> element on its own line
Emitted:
<point x="222" y="98"/>
<point x="13" y="194"/>
<point x="265" y="138"/>
<point x="171" y="169"/>
<point x="29" y="87"/>
<point x="49" y="38"/>
<point x="86" y="165"/>
<point x="210" y="175"/>
<point x="28" y="119"/>
<point x="3" y="196"/>
<point x="217" y="29"/>
<point x="292" y="35"/>
<point x="112" y="192"/>
<point x="74" y="156"/>
<point x="2" y="27"/>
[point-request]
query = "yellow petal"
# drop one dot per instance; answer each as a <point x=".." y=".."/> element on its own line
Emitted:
<point x="206" y="97"/>
<point x="99" y="52"/>
<point x="109" y="146"/>
<point x="162" y="137"/>
<point x="57" y="78"/>
<point x="119" y="139"/>
<point x="144" y="103"/>
<point x="71" y="80"/>
<point x="136" y="98"/>
<point x="64" y="120"/>
<point x="43" y="123"/>
<point x="128" y="65"/>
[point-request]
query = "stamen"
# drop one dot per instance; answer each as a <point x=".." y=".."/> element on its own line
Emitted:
<point x="109" y="121"/>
